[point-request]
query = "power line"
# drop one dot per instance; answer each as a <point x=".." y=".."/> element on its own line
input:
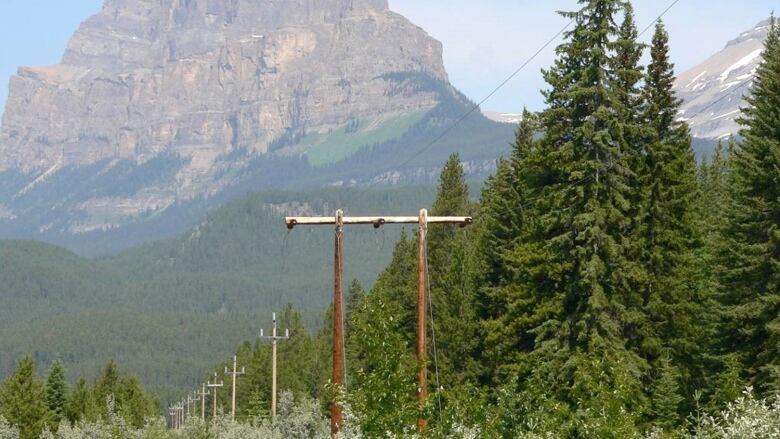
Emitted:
<point x="506" y="81"/>
<point x="660" y="16"/>
<point x="648" y="27"/>
<point x="490" y="95"/>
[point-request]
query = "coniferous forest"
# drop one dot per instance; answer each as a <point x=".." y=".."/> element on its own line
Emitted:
<point x="611" y="286"/>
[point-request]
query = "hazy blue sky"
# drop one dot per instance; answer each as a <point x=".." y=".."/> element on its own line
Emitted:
<point x="484" y="40"/>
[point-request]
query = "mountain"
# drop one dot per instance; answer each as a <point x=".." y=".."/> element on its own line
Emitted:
<point x="167" y="310"/>
<point x="160" y="111"/>
<point x="513" y="118"/>
<point x="713" y="90"/>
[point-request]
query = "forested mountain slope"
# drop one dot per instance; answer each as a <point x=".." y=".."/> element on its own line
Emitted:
<point x="165" y="310"/>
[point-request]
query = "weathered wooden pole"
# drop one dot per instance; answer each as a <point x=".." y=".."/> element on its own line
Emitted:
<point x="235" y="374"/>
<point x="338" y="319"/>
<point x="274" y="338"/>
<point x="336" y="416"/>
<point x="422" y="315"/>
<point x="192" y="400"/>
<point x="203" y="393"/>
<point x="215" y="385"/>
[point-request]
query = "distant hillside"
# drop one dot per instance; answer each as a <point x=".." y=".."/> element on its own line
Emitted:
<point x="168" y="309"/>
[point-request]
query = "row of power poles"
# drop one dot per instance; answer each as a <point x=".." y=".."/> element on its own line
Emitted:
<point x="339" y="221"/>
<point x="179" y="411"/>
<point x="182" y="410"/>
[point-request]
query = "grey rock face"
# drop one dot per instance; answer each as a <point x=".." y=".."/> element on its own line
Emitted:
<point x="714" y="90"/>
<point x="201" y="78"/>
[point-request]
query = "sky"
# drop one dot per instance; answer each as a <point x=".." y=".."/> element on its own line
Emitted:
<point x="484" y="40"/>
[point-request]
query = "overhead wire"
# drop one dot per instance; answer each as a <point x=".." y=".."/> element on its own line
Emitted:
<point x="479" y="104"/>
<point x="505" y="82"/>
<point x="433" y="331"/>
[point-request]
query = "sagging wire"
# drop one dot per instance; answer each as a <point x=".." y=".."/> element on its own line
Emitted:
<point x="433" y="332"/>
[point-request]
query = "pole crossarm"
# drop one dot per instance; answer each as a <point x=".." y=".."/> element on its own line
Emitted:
<point x="275" y="338"/>
<point x="339" y="221"/>
<point x="215" y="385"/>
<point x="376" y="221"/>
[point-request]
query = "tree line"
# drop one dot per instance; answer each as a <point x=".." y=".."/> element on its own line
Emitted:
<point x="33" y="404"/>
<point x="609" y="287"/>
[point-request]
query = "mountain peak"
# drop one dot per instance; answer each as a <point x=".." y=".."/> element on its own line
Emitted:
<point x="758" y="32"/>
<point x="201" y="78"/>
<point x="713" y="91"/>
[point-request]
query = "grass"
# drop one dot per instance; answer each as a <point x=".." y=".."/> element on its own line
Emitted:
<point x="323" y="149"/>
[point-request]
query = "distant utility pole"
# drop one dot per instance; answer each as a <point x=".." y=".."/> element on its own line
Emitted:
<point x="195" y="398"/>
<point x="216" y="385"/>
<point x="274" y="338"/>
<point x="235" y="373"/>
<point x="338" y="319"/>
<point x="203" y="393"/>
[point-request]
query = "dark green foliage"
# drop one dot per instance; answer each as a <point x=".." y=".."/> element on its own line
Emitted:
<point x="570" y="299"/>
<point x="667" y="236"/>
<point x="666" y="398"/>
<point x="56" y="392"/>
<point x="502" y="218"/>
<point x="751" y="247"/>
<point x="605" y="290"/>
<point x="23" y="401"/>
<point x="215" y="284"/>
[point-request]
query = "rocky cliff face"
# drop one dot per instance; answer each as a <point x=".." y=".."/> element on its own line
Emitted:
<point x="201" y="78"/>
<point x="713" y="91"/>
<point x="163" y="109"/>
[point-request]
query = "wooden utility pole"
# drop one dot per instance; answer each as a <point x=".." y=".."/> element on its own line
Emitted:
<point x="203" y="393"/>
<point x="274" y="338"/>
<point x="216" y="385"/>
<point x="235" y="374"/>
<point x="422" y="313"/>
<point x="195" y="398"/>
<point x="338" y="319"/>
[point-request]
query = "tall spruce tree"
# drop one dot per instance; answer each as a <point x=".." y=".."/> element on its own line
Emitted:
<point x="499" y="226"/>
<point x="23" y="401"/>
<point x="751" y="251"/>
<point x="572" y="292"/>
<point x="454" y="322"/>
<point x="56" y="392"/>
<point x="668" y="233"/>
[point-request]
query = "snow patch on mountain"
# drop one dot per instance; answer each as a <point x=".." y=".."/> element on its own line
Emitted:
<point x="713" y="91"/>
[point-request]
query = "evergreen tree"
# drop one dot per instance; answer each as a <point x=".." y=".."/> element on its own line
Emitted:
<point x="667" y="400"/>
<point x="712" y="210"/>
<point x="499" y="225"/>
<point x="751" y="251"/>
<point x="23" y="401"/>
<point x="572" y="298"/>
<point x="453" y="326"/>
<point x="671" y="298"/>
<point x="81" y="404"/>
<point x="397" y="284"/>
<point x="56" y="392"/>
